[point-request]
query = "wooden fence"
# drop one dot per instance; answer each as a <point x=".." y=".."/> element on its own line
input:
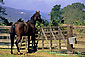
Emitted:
<point x="50" y="37"/>
<point x="4" y="37"/>
<point x="4" y="27"/>
<point x="55" y="34"/>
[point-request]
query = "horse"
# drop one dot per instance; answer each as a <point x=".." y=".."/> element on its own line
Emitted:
<point x="24" y="29"/>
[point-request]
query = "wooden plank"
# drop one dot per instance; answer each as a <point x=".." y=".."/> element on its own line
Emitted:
<point x="21" y="42"/>
<point x="5" y="27"/>
<point x="26" y="44"/>
<point x="62" y="31"/>
<point x="53" y="36"/>
<point x="82" y="34"/>
<point x="42" y="43"/>
<point x="55" y="31"/>
<point x="62" y="35"/>
<point x="54" y="27"/>
<point x="63" y="27"/>
<point x="4" y="34"/>
<point x="5" y="40"/>
<point x="46" y="38"/>
<point x="79" y="26"/>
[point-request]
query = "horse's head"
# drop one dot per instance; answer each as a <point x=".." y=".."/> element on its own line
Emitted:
<point x="37" y="16"/>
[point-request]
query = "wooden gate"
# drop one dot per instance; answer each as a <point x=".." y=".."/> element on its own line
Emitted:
<point x="54" y="34"/>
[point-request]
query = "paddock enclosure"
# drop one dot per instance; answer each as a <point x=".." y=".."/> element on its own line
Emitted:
<point x="50" y="38"/>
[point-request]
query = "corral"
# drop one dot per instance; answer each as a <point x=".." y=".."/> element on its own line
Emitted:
<point x="49" y="39"/>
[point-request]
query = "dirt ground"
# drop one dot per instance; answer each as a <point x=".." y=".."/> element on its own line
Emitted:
<point x="6" y="53"/>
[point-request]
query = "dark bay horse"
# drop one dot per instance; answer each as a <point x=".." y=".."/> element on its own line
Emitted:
<point x="24" y="29"/>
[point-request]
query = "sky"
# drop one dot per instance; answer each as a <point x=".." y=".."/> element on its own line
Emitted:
<point x="39" y="5"/>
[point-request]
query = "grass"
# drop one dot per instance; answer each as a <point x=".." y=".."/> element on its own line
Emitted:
<point x="6" y="53"/>
<point x="61" y="54"/>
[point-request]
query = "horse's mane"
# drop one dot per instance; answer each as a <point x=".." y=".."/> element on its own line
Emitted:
<point x="32" y="19"/>
<point x="33" y="16"/>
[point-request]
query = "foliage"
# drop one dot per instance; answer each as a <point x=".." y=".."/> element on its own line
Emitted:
<point x="74" y="14"/>
<point x="82" y="22"/>
<point x="3" y="19"/>
<point x="1" y="1"/>
<point x="44" y="23"/>
<point x="2" y="10"/>
<point x="2" y="24"/>
<point x="80" y="30"/>
<point x="55" y="15"/>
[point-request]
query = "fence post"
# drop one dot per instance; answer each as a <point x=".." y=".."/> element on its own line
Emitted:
<point x="50" y="40"/>
<point x="26" y="43"/>
<point x="69" y="34"/>
<point x="42" y="41"/>
<point x="59" y="38"/>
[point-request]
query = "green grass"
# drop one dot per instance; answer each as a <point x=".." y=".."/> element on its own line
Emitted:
<point x="61" y="52"/>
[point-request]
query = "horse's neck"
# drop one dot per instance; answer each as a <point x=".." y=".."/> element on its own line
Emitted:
<point x="32" y="20"/>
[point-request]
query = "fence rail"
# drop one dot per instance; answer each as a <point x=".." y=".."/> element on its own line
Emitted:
<point x="5" y="27"/>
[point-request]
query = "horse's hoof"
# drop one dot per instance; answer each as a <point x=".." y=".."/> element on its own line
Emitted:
<point x="11" y="52"/>
<point x="29" y="52"/>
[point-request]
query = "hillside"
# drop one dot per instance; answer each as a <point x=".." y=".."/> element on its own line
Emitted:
<point x="14" y="14"/>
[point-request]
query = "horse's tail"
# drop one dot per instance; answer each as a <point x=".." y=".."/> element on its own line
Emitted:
<point x="12" y="29"/>
<point x="12" y="34"/>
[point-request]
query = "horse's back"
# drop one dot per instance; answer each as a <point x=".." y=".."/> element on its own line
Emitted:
<point x="18" y="27"/>
<point x="22" y="28"/>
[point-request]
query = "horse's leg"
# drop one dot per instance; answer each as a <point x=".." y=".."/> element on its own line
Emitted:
<point x="33" y="41"/>
<point x="12" y="41"/>
<point x="17" y="45"/>
<point x="28" y="43"/>
<point x="17" y="41"/>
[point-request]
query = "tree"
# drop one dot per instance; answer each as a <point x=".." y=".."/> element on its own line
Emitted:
<point x="74" y="14"/>
<point x="5" y="21"/>
<point x="2" y="12"/>
<point x="1" y="1"/>
<point x="44" y="23"/>
<point x="55" y="15"/>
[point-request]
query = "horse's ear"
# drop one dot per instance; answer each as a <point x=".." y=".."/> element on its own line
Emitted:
<point x="38" y="11"/>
